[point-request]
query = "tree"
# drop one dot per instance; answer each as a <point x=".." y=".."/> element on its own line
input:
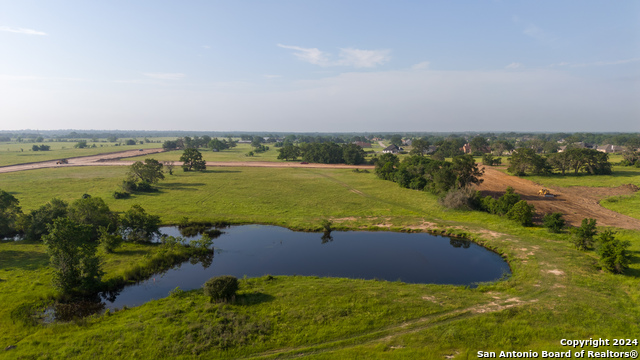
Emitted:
<point x="420" y="146"/>
<point x="522" y="213"/>
<point x="499" y="147"/>
<point x="73" y="256"/>
<point x="170" y="145"/>
<point x="479" y="144"/>
<point x="9" y="213"/>
<point x="525" y="161"/>
<point x="386" y="166"/>
<point x="192" y="160"/>
<point x="257" y="141"/>
<point x="396" y="140"/>
<point x="288" y="152"/>
<point x="217" y="145"/>
<point x="559" y="161"/>
<point x="93" y="211"/>
<point x="169" y="165"/>
<point x="466" y="171"/>
<point x="80" y="144"/>
<point x="130" y="142"/>
<point x="553" y="222"/>
<point x="137" y="225"/>
<point x="35" y="224"/>
<point x="614" y="256"/>
<point x="583" y="236"/>
<point x="150" y="171"/>
<point x="353" y="154"/>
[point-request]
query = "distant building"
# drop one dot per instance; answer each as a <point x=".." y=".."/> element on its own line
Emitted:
<point x="608" y="148"/>
<point x="466" y="148"/>
<point x="391" y="149"/>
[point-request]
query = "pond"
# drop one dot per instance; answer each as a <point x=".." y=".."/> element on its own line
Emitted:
<point x="258" y="250"/>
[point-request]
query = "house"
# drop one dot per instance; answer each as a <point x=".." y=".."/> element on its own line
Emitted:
<point x="407" y="142"/>
<point x="391" y="149"/>
<point x="608" y="148"/>
<point x="466" y="148"/>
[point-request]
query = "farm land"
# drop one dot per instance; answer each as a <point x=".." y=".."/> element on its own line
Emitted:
<point x="555" y="291"/>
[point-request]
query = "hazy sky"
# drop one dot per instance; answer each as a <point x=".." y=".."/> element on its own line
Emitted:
<point x="320" y="65"/>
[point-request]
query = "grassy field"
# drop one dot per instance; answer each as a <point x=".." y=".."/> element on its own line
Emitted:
<point x="555" y="292"/>
<point x="18" y="153"/>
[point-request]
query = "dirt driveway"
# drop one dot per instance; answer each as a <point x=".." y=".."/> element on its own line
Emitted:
<point x="576" y="203"/>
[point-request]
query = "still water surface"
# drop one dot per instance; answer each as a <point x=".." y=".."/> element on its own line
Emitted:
<point x="257" y="250"/>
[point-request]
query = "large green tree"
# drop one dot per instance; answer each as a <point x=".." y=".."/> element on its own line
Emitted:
<point x="73" y="256"/>
<point x="192" y="160"/>
<point x="93" y="211"/>
<point x="35" y="224"/>
<point x="150" y="171"/>
<point x="525" y="161"/>
<point x="353" y="154"/>
<point x="288" y="152"/>
<point x="9" y="214"/>
<point x="419" y="147"/>
<point x="137" y="225"/>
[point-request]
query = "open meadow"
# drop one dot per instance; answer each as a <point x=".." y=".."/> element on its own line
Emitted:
<point x="555" y="291"/>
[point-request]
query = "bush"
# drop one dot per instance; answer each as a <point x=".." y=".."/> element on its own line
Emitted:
<point x="459" y="199"/>
<point x="614" y="256"/>
<point x="221" y="288"/>
<point x="121" y="195"/>
<point x="522" y="213"/>
<point x="553" y="222"/>
<point x="583" y="236"/>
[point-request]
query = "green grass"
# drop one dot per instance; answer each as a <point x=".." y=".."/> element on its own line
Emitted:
<point x="19" y="153"/>
<point x="621" y="175"/>
<point x="555" y="292"/>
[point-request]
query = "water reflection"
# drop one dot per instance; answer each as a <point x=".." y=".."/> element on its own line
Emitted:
<point x="456" y="243"/>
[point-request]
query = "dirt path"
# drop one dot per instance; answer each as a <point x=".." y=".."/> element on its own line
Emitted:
<point x="576" y="203"/>
<point x="92" y="160"/>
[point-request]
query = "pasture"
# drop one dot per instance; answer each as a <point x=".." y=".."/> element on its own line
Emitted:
<point x="555" y="292"/>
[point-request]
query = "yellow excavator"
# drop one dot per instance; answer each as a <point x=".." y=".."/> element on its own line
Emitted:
<point x="545" y="192"/>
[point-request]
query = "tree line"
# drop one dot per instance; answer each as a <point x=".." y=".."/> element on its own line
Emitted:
<point x="323" y="153"/>
<point x="577" y="160"/>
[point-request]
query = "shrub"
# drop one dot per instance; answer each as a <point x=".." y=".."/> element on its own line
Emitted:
<point x="221" y="288"/>
<point x="109" y="242"/>
<point x="459" y="199"/>
<point x="553" y="222"/>
<point x="121" y="195"/>
<point x="614" y="256"/>
<point x="583" y="236"/>
<point x="522" y="213"/>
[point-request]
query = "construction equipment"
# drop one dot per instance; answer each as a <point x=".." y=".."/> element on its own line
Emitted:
<point x="61" y="162"/>
<point x="545" y="192"/>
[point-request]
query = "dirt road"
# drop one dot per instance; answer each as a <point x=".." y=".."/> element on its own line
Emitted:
<point x="576" y="203"/>
<point x="82" y="160"/>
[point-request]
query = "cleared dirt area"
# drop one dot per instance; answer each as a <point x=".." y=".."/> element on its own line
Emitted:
<point x="576" y="203"/>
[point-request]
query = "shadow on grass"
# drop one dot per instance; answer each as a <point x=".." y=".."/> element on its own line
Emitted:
<point x="219" y="171"/>
<point x="253" y="298"/>
<point x="178" y="186"/>
<point x="130" y="252"/>
<point x="23" y="260"/>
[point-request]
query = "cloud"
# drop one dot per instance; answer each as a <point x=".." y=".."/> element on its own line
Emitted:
<point x="165" y="76"/>
<point x="22" y="31"/>
<point x="421" y="66"/>
<point x="362" y="58"/>
<point x="514" y="65"/>
<point x="268" y="76"/>
<point x="310" y="55"/>
<point x="357" y="58"/>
